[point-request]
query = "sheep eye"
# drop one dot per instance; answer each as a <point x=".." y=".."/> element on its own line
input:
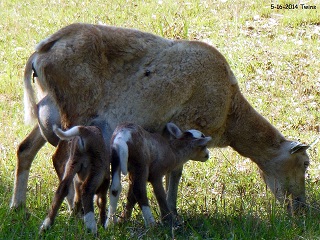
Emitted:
<point x="306" y="164"/>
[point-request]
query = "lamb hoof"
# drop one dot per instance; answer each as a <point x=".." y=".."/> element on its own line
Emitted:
<point x="93" y="230"/>
<point x="90" y="222"/>
<point x="16" y="206"/>
<point x="177" y="222"/>
<point x="152" y="224"/>
<point x="110" y="222"/>
<point x="21" y="209"/>
<point x="45" y="225"/>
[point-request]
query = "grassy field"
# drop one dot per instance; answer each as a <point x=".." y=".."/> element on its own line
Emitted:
<point x="273" y="52"/>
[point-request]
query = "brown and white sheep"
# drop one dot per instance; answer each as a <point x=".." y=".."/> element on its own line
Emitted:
<point x="148" y="157"/>
<point x="124" y="74"/>
<point x="88" y="166"/>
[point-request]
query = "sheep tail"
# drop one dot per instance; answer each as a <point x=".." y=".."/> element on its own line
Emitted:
<point x="68" y="134"/>
<point x="121" y="149"/>
<point x="30" y="106"/>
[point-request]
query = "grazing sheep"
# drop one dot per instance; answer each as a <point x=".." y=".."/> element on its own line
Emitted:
<point x="89" y="166"/>
<point x="148" y="157"/>
<point x="124" y="74"/>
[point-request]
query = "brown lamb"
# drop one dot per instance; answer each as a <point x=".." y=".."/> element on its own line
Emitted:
<point x="88" y="166"/>
<point x="148" y="157"/>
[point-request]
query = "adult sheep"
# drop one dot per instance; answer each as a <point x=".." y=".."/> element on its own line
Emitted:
<point x="121" y="74"/>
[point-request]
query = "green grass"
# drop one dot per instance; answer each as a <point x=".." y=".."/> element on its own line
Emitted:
<point x="275" y="56"/>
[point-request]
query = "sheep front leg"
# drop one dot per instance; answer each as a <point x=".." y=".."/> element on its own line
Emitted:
<point x="173" y="179"/>
<point x="160" y="194"/>
<point x="27" y="150"/>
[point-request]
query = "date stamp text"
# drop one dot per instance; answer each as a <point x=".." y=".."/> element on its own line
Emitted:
<point x="291" y="6"/>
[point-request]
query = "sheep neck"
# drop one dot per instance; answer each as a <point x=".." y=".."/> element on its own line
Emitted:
<point x="251" y="134"/>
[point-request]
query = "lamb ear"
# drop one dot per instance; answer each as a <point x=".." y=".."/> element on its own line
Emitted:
<point x="298" y="147"/>
<point x="203" y="141"/>
<point x="174" y="130"/>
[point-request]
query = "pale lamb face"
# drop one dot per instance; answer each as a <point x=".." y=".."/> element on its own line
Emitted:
<point x="200" y="152"/>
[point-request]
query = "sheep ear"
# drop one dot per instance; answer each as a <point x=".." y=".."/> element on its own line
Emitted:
<point x="315" y="142"/>
<point x="174" y="130"/>
<point x="298" y="147"/>
<point x="203" y="141"/>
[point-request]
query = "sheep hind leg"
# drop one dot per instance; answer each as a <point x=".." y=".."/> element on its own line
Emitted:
<point x="114" y="194"/>
<point x="27" y="151"/>
<point x="77" y="209"/>
<point x="60" y="194"/>
<point x="59" y="159"/>
<point x="102" y="200"/>
<point x="131" y="202"/>
<point x="89" y="187"/>
<point x="140" y="193"/>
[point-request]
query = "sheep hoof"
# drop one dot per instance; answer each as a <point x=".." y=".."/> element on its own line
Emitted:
<point x="111" y="222"/>
<point x="177" y="222"/>
<point x="17" y="207"/>
<point x="92" y="229"/>
<point x="21" y="209"/>
<point x="45" y="225"/>
<point x="152" y="224"/>
<point x="90" y="222"/>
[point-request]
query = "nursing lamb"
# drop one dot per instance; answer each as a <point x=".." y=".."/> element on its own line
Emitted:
<point x="88" y="166"/>
<point x="148" y="157"/>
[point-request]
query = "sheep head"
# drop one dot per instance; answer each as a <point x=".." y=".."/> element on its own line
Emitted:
<point x="195" y="141"/>
<point x="285" y="174"/>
